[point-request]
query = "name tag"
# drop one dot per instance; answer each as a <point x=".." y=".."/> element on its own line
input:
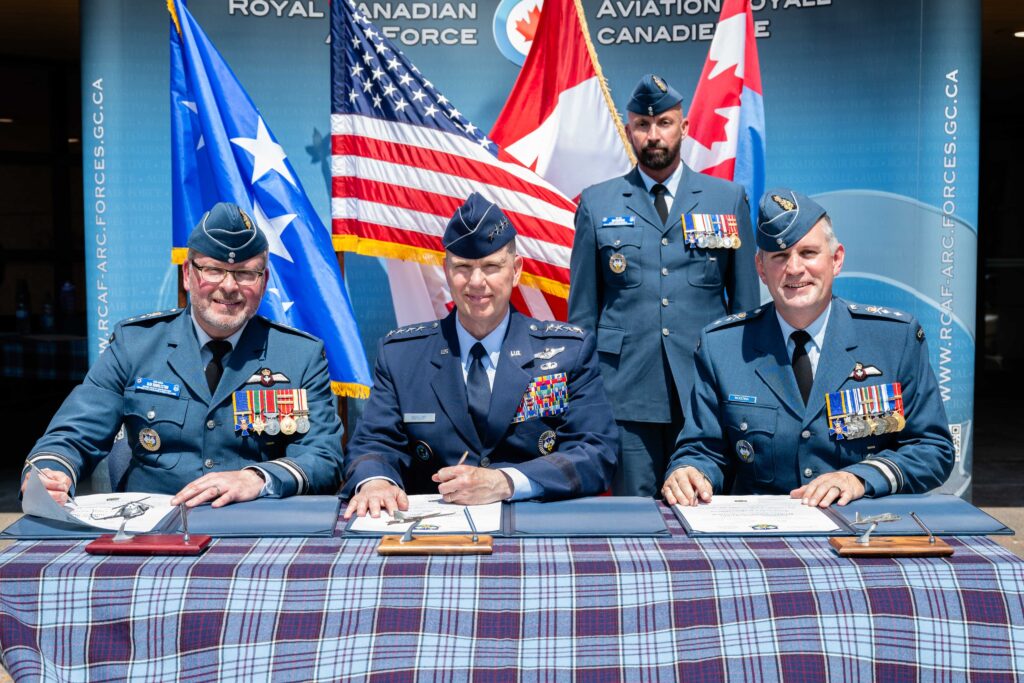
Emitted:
<point x="739" y="398"/>
<point x="618" y="221"/>
<point x="418" y="417"/>
<point x="155" y="386"/>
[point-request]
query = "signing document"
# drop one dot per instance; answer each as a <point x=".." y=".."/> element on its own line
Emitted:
<point x="432" y="515"/>
<point x="748" y="515"/>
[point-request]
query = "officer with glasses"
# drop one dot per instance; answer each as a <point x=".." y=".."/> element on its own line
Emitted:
<point x="218" y="404"/>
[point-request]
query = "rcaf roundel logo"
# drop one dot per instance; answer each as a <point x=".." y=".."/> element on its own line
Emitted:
<point x="515" y="23"/>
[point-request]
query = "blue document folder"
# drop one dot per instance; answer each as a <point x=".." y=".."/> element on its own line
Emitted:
<point x="297" y="516"/>
<point x="943" y="513"/>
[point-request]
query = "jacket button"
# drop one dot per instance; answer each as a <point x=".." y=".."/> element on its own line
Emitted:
<point x="150" y="415"/>
<point x="209" y="463"/>
<point x="808" y="473"/>
<point x="806" y="434"/>
<point x="664" y="241"/>
<point x="664" y="332"/>
<point x="664" y="271"/>
<point x="210" y="424"/>
<point x="485" y="462"/>
<point x="618" y="242"/>
<point x="743" y="426"/>
<point x="664" y="302"/>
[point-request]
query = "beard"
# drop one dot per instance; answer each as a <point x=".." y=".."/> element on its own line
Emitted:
<point x="658" y="156"/>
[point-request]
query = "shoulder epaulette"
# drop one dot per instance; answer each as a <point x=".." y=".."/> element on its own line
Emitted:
<point x="146" y="317"/>
<point x="730" y="320"/>
<point x="553" y="328"/>
<point x="412" y="331"/>
<point x="288" y="328"/>
<point x="879" y="312"/>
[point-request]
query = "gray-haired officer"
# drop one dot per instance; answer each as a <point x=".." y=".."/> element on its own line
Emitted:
<point x="521" y="398"/>
<point x="219" y="404"/>
<point x="658" y="254"/>
<point x="810" y="395"/>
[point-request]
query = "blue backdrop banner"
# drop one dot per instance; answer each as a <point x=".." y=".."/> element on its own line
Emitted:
<point x="870" y="105"/>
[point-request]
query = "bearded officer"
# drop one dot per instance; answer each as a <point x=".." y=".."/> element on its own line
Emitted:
<point x="647" y="290"/>
<point x="171" y="379"/>
<point x="522" y="398"/>
<point x="810" y="395"/>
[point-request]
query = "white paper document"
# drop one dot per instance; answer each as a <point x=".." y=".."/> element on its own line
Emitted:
<point x="436" y="517"/>
<point x="100" y="510"/>
<point x="751" y="515"/>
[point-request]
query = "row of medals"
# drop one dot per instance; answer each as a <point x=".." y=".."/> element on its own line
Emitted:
<point x="722" y="233"/>
<point x="859" y="426"/>
<point x="274" y="425"/>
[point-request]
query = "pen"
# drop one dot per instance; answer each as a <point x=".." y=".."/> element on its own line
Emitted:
<point x="184" y="522"/>
<point x="472" y="525"/>
<point x="44" y="475"/>
<point x="465" y="454"/>
<point x="931" y="536"/>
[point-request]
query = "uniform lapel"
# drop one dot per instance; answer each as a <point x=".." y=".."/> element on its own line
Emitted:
<point x="773" y="364"/>
<point x="184" y="358"/>
<point x="449" y="385"/>
<point x="510" y="379"/>
<point x="638" y="200"/>
<point x="244" y="361"/>
<point x="835" y="361"/>
<point x="687" y="196"/>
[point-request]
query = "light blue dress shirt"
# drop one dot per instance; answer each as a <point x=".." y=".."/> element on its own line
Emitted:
<point x="817" y="331"/>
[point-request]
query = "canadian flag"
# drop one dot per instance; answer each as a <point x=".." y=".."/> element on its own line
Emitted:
<point x="726" y="135"/>
<point x="559" y="119"/>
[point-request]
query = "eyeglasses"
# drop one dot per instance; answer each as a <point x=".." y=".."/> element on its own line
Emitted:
<point x="215" y="276"/>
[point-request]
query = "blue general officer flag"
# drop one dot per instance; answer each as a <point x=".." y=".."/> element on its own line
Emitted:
<point x="222" y="150"/>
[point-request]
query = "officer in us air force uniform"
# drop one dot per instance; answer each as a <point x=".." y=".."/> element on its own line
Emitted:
<point x="171" y="378"/>
<point x="647" y="287"/>
<point x="523" y="397"/>
<point x="810" y="395"/>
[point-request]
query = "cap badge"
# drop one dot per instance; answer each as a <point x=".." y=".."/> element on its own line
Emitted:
<point x="662" y="86"/>
<point x="783" y="202"/>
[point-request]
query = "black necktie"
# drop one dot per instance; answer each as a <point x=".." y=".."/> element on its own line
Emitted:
<point x="802" y="363"/>
<point x="214" y="369"/>
<point x="660" y="203"/>
<point x="478" y="389"/>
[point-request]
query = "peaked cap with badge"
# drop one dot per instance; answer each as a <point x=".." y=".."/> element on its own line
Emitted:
<point x="646" y="291"/>
<point x="151" y="379"/>
<point x="874" y="408"/>
<point x="548" y="415"/>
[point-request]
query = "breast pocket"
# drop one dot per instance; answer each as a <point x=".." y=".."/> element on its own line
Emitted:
<point x="154" y="426"/>
<point x="619" y="253"/>
<point x="750" y="433"/>
<point x="705" y="268"/>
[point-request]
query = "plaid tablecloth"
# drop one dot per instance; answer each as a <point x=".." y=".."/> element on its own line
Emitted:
<point x="537" y="610"/>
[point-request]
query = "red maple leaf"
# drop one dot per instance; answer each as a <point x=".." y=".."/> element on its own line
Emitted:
<point x="528" y="27"/>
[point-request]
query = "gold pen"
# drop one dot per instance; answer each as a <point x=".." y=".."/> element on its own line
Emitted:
<point x="465" y="454"/>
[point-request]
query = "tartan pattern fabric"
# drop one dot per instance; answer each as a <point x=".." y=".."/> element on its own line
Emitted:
<point x="536" y="610"/>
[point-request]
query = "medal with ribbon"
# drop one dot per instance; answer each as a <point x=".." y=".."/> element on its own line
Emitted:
<point x="859" y="412"/>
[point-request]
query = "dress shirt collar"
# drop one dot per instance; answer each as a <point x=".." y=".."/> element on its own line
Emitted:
<point x="492" y="342"/>
<point x="671" y="183"/>
<point x="816" y="329"/>
<point x="204" y="338"/>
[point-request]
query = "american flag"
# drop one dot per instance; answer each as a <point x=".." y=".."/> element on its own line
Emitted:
<point x="404" y="158"/>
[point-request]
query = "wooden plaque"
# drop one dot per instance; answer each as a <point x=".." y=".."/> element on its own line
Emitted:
<point x="149" y="544"/>
<point x="891" y="546"/>
<point x="436" y="545"/>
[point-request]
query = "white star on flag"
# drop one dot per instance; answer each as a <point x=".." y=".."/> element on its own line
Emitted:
<point x="285" y="305"/>
<point x="267" y="154"/>
<point x="273" y="228"/>
<point x="191" y="106"/>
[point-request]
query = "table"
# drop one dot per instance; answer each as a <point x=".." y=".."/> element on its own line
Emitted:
<point x="590" y="609"/>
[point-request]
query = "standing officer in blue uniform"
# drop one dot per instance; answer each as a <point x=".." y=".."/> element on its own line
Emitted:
<point x="523" y="399"/>
<point x="645" y="290"/>
<point x="170" y="379"/>
<point x="810" y="395"/>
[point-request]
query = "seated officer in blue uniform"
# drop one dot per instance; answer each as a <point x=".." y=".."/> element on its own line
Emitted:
<point x="647" y="292"/>
<point x="170" y="379"/>
<point x="523" y="399"/>
<point x="810" y="395"/>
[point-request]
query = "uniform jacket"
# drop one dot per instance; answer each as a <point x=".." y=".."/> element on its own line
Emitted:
<point x="417" y="419"/>
<point x="667" y="292"/>
<point x="745" y="390"/>
<point x="196" y="431"/>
